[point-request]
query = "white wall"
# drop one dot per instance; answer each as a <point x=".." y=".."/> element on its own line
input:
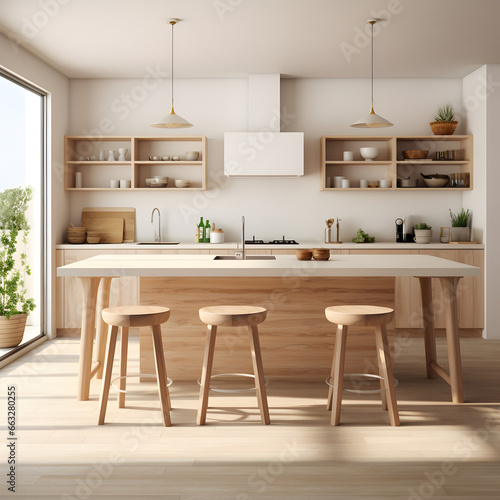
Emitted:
<point x="17" y="60"/>
<point x="273" y="207"/>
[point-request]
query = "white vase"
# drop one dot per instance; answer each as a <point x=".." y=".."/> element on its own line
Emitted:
<point x="111" y="156"/>
<point x="123" y="153"/>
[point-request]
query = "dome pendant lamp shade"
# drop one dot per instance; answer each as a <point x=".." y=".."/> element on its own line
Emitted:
<point x="172" y="120"/>
<point x="371" y="120"/>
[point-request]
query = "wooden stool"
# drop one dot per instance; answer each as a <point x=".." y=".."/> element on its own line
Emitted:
<point x="378" y="317"/>
<point x="249" y="316"/>
<point x="130" y="317"/>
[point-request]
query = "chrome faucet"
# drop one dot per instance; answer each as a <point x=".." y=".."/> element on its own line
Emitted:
<point x="241" y="255"/>
<point x="157" y="235"/>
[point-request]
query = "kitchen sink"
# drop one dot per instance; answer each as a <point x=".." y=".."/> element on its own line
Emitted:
<point x="158" y="242"/>
<point x="249" y="257"/>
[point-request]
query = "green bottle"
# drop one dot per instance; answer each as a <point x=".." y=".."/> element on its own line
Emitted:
<point x="201" y="231"/>
<point x="207" y="232"/>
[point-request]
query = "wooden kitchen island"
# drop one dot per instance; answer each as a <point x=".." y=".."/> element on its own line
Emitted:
<point x="297" y="341"/>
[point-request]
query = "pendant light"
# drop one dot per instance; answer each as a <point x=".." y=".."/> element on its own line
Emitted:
<point x="172" y="120"/>
<point x="372" y="120"/>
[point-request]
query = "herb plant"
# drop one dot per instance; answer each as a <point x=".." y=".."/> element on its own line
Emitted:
<point x="362" y="237"/>
<point x="445" y="114"/>
<point x="422" y="226"/>
<point x="13" y="220"/>
<point x="461" y="219"/>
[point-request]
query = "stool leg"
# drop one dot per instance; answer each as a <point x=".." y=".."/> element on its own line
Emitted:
<point x="101" y="326"/>
<point x="161" y="375"/>
<point x="206" y="374"/>
<point x="338" y="372"/>
<point x="258" y="370"/>
<point x="385" y="365"/>
<point x="123" y="366"/>
<point x="108" y="368"/>
<point x="383" y="394"/>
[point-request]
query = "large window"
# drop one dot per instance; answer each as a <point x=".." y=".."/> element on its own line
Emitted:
<point x="22" y="163"/>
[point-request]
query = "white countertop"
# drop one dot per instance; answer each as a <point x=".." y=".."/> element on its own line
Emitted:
<point x="284" y="266"/>
<point x="388" y="245"/>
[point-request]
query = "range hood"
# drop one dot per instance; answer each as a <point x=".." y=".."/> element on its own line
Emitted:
<point x="265" y="151"/>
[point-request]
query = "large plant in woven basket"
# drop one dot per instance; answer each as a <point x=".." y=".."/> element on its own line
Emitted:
<point x="14" y="228"/>
<point x="444" y="121"/>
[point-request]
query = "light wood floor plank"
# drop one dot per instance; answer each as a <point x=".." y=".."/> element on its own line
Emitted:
<point x="298" y="457"/>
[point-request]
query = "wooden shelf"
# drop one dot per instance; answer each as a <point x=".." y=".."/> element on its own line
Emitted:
<point x="139" y="167"/>
<point x="390" y="164"/>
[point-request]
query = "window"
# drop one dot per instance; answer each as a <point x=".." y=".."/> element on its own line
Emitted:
<point x="22" y="163"/>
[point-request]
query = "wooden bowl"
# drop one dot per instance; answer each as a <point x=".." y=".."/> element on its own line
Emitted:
<point x="76" y="234"/>
<point x="93" y="237"/>
<point x="415" y="154"/>
<point x="304" y="254"/>
<point x="321" y="253"/>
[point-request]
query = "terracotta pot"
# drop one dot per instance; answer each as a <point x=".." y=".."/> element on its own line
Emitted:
<point x="12" y="330"/>
<point x="443" y="128"/>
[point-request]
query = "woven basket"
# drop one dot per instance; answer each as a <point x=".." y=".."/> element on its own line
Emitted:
<point x="443" y="128"/>
<point x="12" y="330"/>
<point x="76" y="234"/>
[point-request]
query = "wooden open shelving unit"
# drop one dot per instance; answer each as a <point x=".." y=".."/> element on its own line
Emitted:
<point x="390" y="163"/>
<point x="98" y="173"/>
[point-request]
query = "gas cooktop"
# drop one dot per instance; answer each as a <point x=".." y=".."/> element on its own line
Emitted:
<point x="253" y="241"/>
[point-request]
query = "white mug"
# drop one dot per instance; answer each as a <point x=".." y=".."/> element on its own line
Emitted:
<point x="124" y="183"/>
<point x="114" y="183"/>
<point x="346" y="183"/>
<point x="348" y="156"/>
<point x="384" y="183"/>
<point x="363" y="183"/>
<point x="337" y="181"/>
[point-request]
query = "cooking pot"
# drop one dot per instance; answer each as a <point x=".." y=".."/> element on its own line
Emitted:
<point x="406" y="182"/>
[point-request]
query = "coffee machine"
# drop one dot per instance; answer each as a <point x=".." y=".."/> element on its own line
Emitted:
<point x="404" y="229"/>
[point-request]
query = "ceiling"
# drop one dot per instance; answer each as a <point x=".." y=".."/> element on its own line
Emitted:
<point x="235" y="38"/>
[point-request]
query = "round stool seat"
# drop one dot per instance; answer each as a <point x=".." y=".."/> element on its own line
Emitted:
<point x="135" y="316"/>
<point x="359" y="315"/>
<point x="232" y="315"/>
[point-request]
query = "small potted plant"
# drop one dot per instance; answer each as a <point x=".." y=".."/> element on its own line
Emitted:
<point x="460" y="230"/>
<point x="444" y="121"/>
<point x="14" y="306"/>
<point x="423" y="233"/>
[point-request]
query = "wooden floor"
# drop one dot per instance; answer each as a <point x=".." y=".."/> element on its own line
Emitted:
<point x="441" y="450"/>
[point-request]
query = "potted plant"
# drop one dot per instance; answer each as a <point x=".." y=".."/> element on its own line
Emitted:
<point x="423" y="233"/>
<point x="14" y="306"/>
<point x="444" y="121"/>
<point x="460" y="230"/>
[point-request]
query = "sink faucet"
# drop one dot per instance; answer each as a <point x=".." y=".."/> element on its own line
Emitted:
<point x="241" y="255"/>
<point x="157" y="235"/>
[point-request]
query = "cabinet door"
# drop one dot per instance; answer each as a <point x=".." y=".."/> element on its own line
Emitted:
<point x="470" y="289"/>
<point x="407" y="291"/>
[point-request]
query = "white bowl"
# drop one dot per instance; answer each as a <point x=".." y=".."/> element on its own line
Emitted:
<point x="369" y="154"/>
<point x="181" y="183"/>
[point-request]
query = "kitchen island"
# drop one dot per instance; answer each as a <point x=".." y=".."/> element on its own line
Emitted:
<point x="294" y="291"/>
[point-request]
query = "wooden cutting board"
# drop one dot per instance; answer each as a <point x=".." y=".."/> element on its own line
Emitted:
<point x="125" y="213"/>
<point x="111" y="228"/>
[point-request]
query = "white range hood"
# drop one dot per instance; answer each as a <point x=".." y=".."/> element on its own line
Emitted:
<point x="265" y="151"/>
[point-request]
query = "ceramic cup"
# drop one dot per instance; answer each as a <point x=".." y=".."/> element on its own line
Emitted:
<point x="346" y="183"/>
<point x="114" y="183"/>
<point x="363" y="183"/>
<point x="124" y="183"/>
<point x="384" y="183"/>
<point x="337" y="181"/>
<point x="348" y="156"/>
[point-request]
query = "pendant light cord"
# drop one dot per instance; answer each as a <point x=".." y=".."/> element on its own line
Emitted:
<point x="172" y="23"/>
<point x="372" y="63"/>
